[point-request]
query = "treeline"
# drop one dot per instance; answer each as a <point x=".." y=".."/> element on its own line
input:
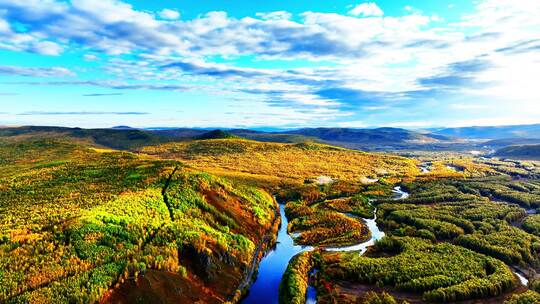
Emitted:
<point x="381" y="298"/>
<point x="528" y="297"/>
<point x="357" y="204"/>
<point x="322" y="226"/>
<point x="524" y="193"/>
<point x="295" y="280"/>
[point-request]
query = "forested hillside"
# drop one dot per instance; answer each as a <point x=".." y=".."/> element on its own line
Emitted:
<point x="79" y="223"/>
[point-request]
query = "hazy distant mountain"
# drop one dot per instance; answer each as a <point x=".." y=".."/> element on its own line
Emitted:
<point x="495" y="132"/>
<point x="179" y="133"/>
<point x="498" y="143"/>
<point x="520" y="152"/>
<point x="112" y="138"/>
<point x="379" y="135"/>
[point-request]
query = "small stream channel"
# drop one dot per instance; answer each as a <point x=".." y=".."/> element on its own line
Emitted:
<point x="424" y="168"/>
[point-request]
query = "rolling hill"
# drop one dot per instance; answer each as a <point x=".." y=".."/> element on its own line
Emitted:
<point x="520" y="152"/>
<point x="275" y="164"/>
<point x="215" y="134"/>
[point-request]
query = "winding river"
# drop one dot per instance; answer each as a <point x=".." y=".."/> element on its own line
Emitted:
<point x="265" y="289"/>
<point x="376" y="234"/>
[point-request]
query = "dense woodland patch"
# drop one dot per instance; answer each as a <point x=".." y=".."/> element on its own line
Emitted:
<point x="76" y="222"/>
<point x="440" y="272"/>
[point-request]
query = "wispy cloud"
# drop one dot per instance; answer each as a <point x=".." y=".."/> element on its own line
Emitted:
<point x="108" y="84"/>
<point x="32" y="113"/>
<point x="36" y="72"/>
<point x="212" y="69"/>
<point x="102" y="94"/>
<point x="468" y="106"/>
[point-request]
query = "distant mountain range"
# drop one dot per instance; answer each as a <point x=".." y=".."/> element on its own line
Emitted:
<point x="494" y="132"/>
<point x="367" y="139"/>
<point x="125" y="137"/>
<point x="381" y="135"/>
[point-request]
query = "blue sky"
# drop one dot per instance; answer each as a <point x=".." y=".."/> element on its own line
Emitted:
<point x="292" y="63"/>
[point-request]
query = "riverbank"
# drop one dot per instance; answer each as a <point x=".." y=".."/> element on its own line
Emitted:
<point x="265" y="288"/>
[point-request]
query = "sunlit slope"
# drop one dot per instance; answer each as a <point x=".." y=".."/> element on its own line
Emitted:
<point x="277" y="162"/>
<point x="76" y="222"/>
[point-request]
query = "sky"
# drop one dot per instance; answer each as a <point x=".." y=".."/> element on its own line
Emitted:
<point x="272" y="63"/>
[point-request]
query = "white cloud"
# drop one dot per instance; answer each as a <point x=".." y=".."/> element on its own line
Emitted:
<point x="409" y="124"/>
<point x="367" y="9"/>
<point x="4" y="26"/>
<point x="383" y="58"/>
<point x="302" y="98"/>
<point x="279" y="15"/>
<point x="169" y="14"/>
<point x="47" y="48"/>
<point x="352" y="124"/>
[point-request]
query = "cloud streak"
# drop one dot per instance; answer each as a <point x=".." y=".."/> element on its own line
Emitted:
<point x="57" y="72"/>
<point x="102" y="94"/>
<point x="40" y="113"/>
<point x="108" y="84"/>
